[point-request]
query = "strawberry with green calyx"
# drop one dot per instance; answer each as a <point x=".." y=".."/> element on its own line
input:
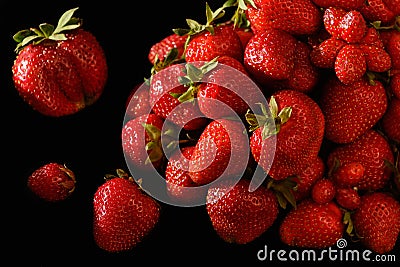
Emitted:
<point x="159" y="52"/>
<point x="52" y="182"/>
<point x="206" y="42"/>
<point x="298" y="134"/>
<point x="123" y="213"/>
<point x="59" y="70"/>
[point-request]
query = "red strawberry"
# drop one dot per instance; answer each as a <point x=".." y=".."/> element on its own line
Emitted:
<point x="391" y="120"/>
<point x="378" y="60"/>
<point x="312" y="225"/>
<point x="141" y="141"/>
<point x="393" y="5"/>
<point x="307" y="179"/>
<point x="348" y="198"/>
<point x="297" y="133"/>
<point x="238" y="215"/>
<point x="353" y="27"/>
<point x="161" y="49"/>
<point x="345" y="4"/>
<point x="269" y="55"/>
<point x="294" y="17"/>
<point x="62" y="73"/>
<point x="377" y="221"/>
<point x="332" y="19"/>
<point x="391" y="39"/>
<point x="323" y="191"/>
<point x="138" y="103"/>
<point x="324" y="55"/>
<point x="350" y="64"/>
<point x="348" y="108"/>
<point x="370" y="149"/>
<point x="220" y="152"/>
<point x="376" y="10"/>
<point x="395" y="84"/>
<point x="348" y="175"/>
<point x="52" y="182"/>
<point x="177" y="176"/>
<point x="123" y="213"/>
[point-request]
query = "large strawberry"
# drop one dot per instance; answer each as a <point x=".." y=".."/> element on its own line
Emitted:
<point x="123" y="214"/>
<point x="298" y="17"/>
<point x="221" y="151"/>
<point x="298" y="132"/>
<point x="377" y="221"/>
<point x="351" y="110"/>
<point x="238" y="215"/>
<point x="59" y="70"/>
<point x="312" y="225"/>
<point x="52" y="182"/>
<point x="372" y="150"/>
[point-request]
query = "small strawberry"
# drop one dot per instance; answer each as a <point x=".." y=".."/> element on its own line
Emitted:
<point x="348" y="175"/>
<point x="345" y="4"/>
<point x="52" y="182"/>
<point x="123" y="214"/>
<point x="297" y="134"/>
<point x="324" y="55"/>
<point x="377" y="221"/>
<point x="377" y="59"/>
<point x="312" y="225"/>
<point x="323" y="191"/>
<point x="238" y="215"/>
<point x="308" y="178"/>
<point x="350" y="64"/>
<point x="160" y="50"/>
<point x="348" y="198"/>
<point x="347" y="108"/>
<point x="299" y="17"/>
<point x="332" y="19"/>
<point x="138" y="103"/>
<point x="372" y="150"/>
<point x="353" y="27"/>
<point x="59" y="70"/>
<point x="220" y="151"/>
<point x="391" y="120"/>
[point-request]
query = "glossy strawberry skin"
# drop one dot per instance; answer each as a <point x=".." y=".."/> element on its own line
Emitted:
<point x="123" y="215"/>
<point x="323" y="191"/>
<point x="239" y="216"/>
<point x="165" y="45"/>
<point x="376" y="10"/>
<point x="339" y="100"/>
<point x="52" y="182"/>
<point x="297" y="143"/>
<point x="138" y="103"/>
<point x="348" y="175"/>
<point x="345" y="4"/>
<point x="348" y="198"/>
<point x="312" y="225"/>
<point x="371" y="150"/>
<point x="61" y="78"/>
<point x="350" y="64"/>
<point x="377" y="221"/>
<point x="294" y="17"/>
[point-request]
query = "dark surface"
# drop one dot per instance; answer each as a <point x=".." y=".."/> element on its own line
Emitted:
<point x="55" y="234"/>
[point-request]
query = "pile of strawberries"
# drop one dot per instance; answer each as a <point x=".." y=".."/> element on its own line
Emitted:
<point x="270" y="107"/>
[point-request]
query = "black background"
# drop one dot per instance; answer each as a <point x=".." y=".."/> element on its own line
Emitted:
<point x="55" y="234"/>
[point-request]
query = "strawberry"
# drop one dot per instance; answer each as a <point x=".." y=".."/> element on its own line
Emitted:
<point x="345" y="4"/>
<point x="377" y="59"/>
<point x="137" y="103"/>
<point x="220" y="151"/>
<point x="299" y="17"/>
<point x="348" y="175"/>
<point x="308" y="178"/>
<point x="238" y="215"/>
<point x="298" y="132"/>
<point x="59" y="70"/>
<point x="395" y="85"/>
<point x="123" y="214"/>
<point x="141" y="141"/>
<point x="376" y="10"/>
<point x="348" y="198"/>
<point x="350" y="64"/>
<point x="391" y="39"/>
<point x="52" y="182"/>
<point x="161" y="49"/>
<point x="324" y="54"/>
<point x="312" y="225"/>
<point x="269" y="55"/>
<point x="393" y="5"/>
<point x="391" y="120"/>
<point x="177" y="176"/>
<point x="358" y="99"/>
<point x="323" y="190"/>
<point x="377" y="221"/>
<point x="332" y="19"/>
<point x="372" y="150"/>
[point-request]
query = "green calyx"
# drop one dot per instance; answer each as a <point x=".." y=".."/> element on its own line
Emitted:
<point x="270" y="121"/>
<point x="154" y="146"/>
<point x="239" y="17"/>
<point x="47" y="31"/>
<point x="193" y="76"/>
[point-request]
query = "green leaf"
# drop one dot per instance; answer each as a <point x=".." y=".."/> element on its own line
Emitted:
<point x="285" y="114"/>
<point x="58" y="37"/>
<point x="21" y="35"/>
<point x="65" y="19"/>
<point x="47" y="29"/>
<point x="153" y="132"/>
